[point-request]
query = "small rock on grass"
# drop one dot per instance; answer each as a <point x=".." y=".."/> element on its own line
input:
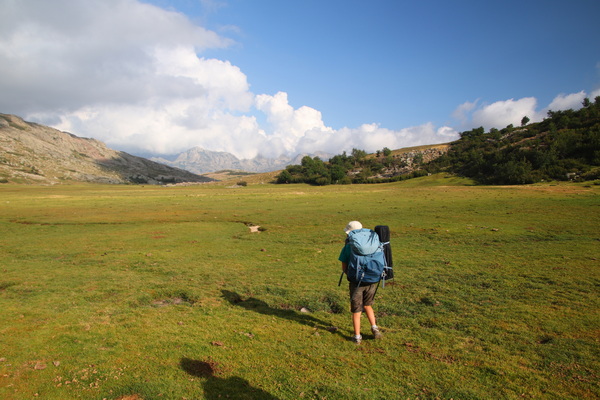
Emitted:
<point x="39" y="365"/>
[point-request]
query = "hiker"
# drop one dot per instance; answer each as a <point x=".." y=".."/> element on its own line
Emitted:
<point x="361" y="297"/>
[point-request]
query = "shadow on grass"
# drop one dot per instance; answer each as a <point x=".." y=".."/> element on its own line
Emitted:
<point x="259" y="306"/>
<point x="219" y="388"/>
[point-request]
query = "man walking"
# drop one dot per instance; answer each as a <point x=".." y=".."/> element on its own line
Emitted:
<point x="361" y="297"/>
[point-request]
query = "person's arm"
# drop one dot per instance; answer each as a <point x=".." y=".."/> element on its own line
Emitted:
<point x="344" y="257"/>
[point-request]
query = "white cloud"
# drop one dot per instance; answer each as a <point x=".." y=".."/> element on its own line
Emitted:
<point x="302" y="131"/>
<point x="130" y="74"/>
<point x="63" y="54"/>
<point x="223" y="84"/>
<point x="133" y="75"/>
<point x="462" y="112"/>
<point x="284" y="119"/>
<point x="567" y="101"/>
<point x="503" y="113"/>
<point x="126" y="73"/>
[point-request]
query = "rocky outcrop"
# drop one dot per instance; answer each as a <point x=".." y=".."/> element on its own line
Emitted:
<point x="410" y="160"/>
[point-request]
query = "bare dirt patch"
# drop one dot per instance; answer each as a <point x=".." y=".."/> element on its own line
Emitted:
<point x="170" y="302"/>
<point x="254" y="228"/>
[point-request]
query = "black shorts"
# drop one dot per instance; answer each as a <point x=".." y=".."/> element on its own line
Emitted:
<point x="361" y="297"/>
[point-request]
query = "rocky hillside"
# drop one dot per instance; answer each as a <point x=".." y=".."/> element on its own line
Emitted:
<point x="33" y="153"/>
<point x="359" y="167"/>
<point x="408" y="160"/>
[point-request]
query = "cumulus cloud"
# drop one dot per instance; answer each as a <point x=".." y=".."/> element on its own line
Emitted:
<point x="132" y="75"/>
<point x="462" y="112"/>
<point x="302" y="130"/>
<point x="503" y="113"/>
<point x="567" y="101"/>
<point x="67" y="53"/>
<point x="285" y="119"/>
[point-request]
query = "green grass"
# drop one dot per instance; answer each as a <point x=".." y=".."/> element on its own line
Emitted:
<point x="133" y="292"/>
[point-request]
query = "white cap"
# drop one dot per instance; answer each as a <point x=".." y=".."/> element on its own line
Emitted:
<point x="352" y="225"/>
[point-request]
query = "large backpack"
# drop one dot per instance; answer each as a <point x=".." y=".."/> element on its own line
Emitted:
<point x="383" y="231"/>
<point x="367" y="262"/>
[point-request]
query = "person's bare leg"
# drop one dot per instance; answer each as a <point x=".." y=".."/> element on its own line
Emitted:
<point x="370" y="315"/>
<point x="356" y="322"/>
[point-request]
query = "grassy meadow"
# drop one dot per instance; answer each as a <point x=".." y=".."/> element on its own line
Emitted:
<point x="145" y="292"/>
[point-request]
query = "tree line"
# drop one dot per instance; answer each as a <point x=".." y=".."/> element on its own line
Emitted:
<point x="358" y="167"/>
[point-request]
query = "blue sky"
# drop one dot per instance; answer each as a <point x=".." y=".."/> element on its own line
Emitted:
<point x="276" y="77"/>
<point x="403" y="63"/>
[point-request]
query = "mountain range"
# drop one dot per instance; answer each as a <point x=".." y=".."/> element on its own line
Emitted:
<point x="201" y="161"/>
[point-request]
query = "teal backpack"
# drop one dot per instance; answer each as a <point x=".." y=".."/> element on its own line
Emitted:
<point x="367" y="262"/>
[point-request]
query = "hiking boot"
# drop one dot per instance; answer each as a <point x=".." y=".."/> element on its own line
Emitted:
<point x="376" y="332"/>
<point x="357" y="339"/>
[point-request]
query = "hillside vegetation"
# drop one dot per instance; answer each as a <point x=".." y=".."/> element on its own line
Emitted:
<point x="359" y="167"/>
<point x="565" y="146"/>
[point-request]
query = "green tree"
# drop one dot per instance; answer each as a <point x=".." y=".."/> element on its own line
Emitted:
<point x="307" y="162"/>
<point x="358" y="156"/>
<point x="514" y="172"/>
<point x="342" y="160"/>
<point x="338" y="173"/>
<point x="586" y="103"/>
<point x="284" y="177"/>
